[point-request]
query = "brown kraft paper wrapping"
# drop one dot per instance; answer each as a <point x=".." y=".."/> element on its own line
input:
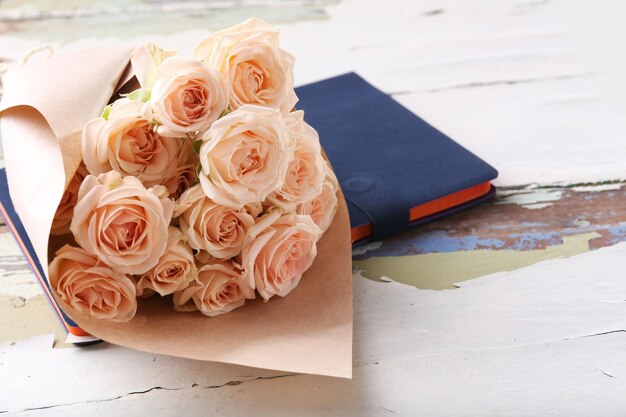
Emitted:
<point x="42" y="114"/>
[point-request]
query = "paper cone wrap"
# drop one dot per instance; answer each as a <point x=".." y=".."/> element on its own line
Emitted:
<point x="43" y="110"/>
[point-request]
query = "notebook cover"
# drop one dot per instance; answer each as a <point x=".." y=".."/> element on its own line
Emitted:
<point x="387" y="160"/>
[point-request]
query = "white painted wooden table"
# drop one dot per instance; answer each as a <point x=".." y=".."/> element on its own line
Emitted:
<point x="515" y="309"/>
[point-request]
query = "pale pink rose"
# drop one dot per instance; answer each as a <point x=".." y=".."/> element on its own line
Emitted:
<point x="258" y="71"/>
<point x="277" y="251"/>
<point x="306" y="171"/>
<point x="210" y="227"/>
<point x="184" y="176"/>
<point x="65" y="211"/>
<point x="90" y="287"/>
<point x="245" y="156"/>
<point x="174" y="271"/>
<point x="215" y="292"/>
<point x="187" y="97"/>
<point x="125" y="142"/>
<point x="121" y="222"/>
<point x="323" y="208"/>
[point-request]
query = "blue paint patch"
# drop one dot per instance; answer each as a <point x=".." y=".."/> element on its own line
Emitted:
<point x="432" y="242"/>
<point x="618" y="233"/>
<point x="531" y="224"/>
<point x="440" y="241"/>
<point x="536" y="240"/>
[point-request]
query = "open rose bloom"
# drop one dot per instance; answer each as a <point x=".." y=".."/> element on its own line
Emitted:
<point x="183" y="205"/>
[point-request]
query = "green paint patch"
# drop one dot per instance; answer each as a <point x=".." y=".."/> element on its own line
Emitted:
<point x="441" y="271"/>
<point x="67" y="20"/>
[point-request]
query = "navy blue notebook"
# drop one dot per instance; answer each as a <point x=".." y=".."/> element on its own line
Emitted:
<point x="395" y="169"/>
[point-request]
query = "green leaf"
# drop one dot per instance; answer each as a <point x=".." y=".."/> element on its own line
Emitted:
<point x="140" y="95"/>
<point x="106" y="112"/>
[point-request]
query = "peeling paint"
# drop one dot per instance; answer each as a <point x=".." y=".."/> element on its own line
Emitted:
<point x="17" y="278"/>
<point x="440" y="271"/>
<point x="22" y="319"/>
<point x="66" y="20"/>
<point x="594" y="188"/>
<point x="363" y="249"/>
<point x="531" y="199"/>
<point x="498" y="227"/>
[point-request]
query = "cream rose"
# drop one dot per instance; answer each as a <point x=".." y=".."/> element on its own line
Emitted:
<point x="277" y="251"/>
<point x="174" y="271"/>
<point x="121" y="222"/>
<point x="306" y="171"/>
<point x="187" y="97"/>
<point x="210" y="227"/>
<point x="91" y="287"/>
<point x="215" y="292"/>
<point x="258" y="71"/>
<point x="63" y="215"/>
<point x="323" y="207"/>
<point x="245" y="156"/>
<point x="127" y="143"/>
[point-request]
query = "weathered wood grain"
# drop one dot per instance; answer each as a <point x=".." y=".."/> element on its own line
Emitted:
<point x="524" y="85"/>
<point x="533" y="87"/>
<point x="504" y="344"/>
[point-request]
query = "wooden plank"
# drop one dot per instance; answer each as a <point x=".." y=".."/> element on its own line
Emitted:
<point x="523" y="84"/>
<point x="526" y="85"/>
<point x="503" y="344"/>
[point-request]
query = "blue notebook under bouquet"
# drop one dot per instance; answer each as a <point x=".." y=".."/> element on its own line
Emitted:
<point x="395" y="170"/>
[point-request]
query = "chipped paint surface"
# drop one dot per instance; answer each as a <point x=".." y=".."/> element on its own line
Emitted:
<point x="504" y="342"/>
<point x="500" y="236"/>
<point x="510" y="226"/>
<point x="67" y="20"/>
<point x="444" y="270"/>
<point x="16" y="277"/>
<point x="23" y="318"/>
<point x="530" y="199"/>
<point x="520" y="83"/>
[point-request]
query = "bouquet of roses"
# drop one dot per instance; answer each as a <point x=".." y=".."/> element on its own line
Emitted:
<point x="149" y="184"/>
<point x="204" y="183"/>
